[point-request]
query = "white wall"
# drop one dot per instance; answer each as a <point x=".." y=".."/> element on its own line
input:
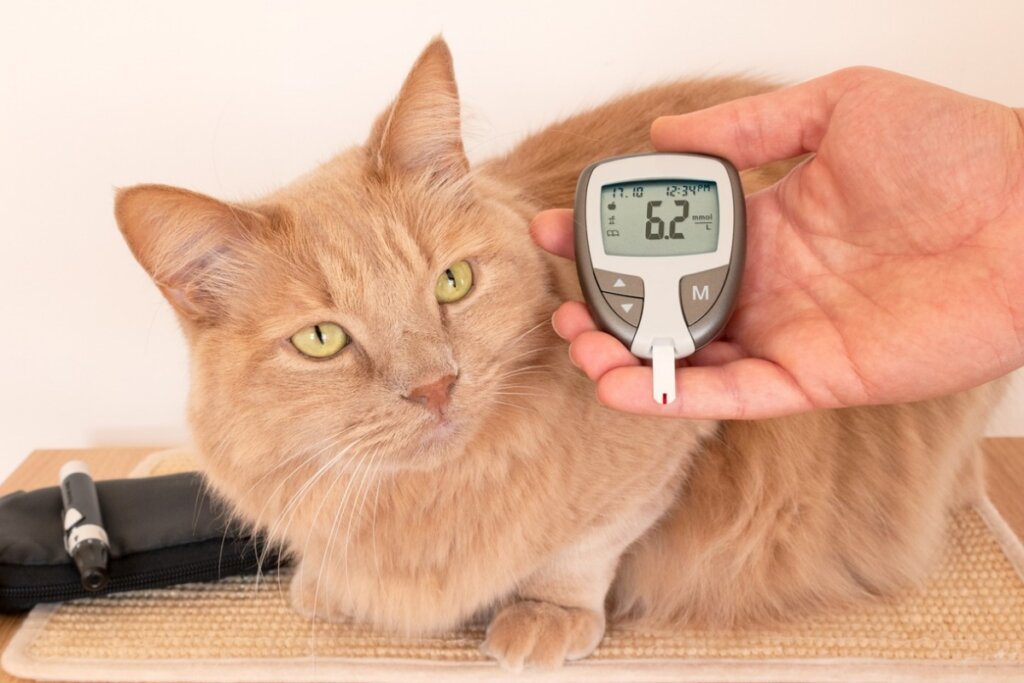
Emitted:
<point x="233" y="99"/>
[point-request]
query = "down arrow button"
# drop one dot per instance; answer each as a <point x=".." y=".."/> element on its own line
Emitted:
<point x="626" y="307"/>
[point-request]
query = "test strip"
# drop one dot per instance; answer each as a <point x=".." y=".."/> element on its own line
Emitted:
<point x="663" y="357"/>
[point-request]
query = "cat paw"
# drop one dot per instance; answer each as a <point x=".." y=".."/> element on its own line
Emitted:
<point x="304" y="599"/>
<point x="542" y="635"/>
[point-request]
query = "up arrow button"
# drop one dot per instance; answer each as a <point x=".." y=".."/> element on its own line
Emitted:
<point x="619" y="283"/>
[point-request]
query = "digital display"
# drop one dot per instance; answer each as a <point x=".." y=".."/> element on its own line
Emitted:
<point x="659" y="217"/>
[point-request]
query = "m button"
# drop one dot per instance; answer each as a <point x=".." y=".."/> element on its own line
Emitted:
<point x="698" y="293"/>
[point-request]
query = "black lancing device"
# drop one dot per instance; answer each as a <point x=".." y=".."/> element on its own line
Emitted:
<point x="85" y="539"/>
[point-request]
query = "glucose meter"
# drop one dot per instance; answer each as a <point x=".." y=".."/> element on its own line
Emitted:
<point x="660" y="242"/>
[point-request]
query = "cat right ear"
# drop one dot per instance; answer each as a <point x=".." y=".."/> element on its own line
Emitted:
<point x="421" y="132"/>
<point x="189" y="244"/>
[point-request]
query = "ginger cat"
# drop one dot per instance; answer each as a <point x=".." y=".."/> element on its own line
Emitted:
<point x="376" y="383"/>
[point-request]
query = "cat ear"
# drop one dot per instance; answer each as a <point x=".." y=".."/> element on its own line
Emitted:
<point x="189" y="244"/>
<point x="420" y="133"/>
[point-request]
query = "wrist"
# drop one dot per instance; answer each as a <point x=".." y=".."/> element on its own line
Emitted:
<point x="1016" y="238"/>
<point x="1018" y="113"/>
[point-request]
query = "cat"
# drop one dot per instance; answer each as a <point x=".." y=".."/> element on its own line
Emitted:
<point x="375" y="382"/>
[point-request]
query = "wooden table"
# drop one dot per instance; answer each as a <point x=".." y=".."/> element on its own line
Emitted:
<point x="1004" y="463"/>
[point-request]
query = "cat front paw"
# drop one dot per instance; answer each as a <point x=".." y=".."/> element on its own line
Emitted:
<point x="310" y="603"/>
<point x="542" y="635"/>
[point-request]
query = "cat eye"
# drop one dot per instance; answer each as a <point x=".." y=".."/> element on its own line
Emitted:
<point x="454" y="283"/>
<point x="322" y="340"/>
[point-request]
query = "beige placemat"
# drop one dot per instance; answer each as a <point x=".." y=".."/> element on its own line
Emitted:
<point x="966" y="624"/>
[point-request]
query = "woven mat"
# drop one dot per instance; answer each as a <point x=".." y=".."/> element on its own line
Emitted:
<point x="966" y="624"/>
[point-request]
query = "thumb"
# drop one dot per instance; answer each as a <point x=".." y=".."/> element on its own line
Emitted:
<point x="760" y="129"/>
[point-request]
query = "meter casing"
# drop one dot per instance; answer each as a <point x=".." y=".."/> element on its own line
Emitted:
<point x="684" y="298"/>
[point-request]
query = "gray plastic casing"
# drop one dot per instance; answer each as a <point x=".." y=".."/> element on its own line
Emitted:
<point x="711" y="324"/>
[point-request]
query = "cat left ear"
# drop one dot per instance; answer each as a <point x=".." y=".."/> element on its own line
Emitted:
<point x="194" y="247"/>
<point x="421" y="132"/>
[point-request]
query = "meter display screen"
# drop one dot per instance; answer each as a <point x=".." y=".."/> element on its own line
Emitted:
<point x="659" y="217"/>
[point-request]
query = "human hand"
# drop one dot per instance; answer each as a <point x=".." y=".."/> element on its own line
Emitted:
<point x="886" y="267"/>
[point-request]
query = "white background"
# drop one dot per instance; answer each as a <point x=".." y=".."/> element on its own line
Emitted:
<point x="233" y="99"/>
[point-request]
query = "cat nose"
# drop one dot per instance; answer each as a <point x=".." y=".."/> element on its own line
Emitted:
<point x="433" y="395"/>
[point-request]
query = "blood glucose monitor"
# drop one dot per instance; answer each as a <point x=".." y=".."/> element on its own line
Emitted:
<point x="660" y="242"/>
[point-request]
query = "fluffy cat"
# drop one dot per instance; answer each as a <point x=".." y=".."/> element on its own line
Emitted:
<point x="431" y="455"/>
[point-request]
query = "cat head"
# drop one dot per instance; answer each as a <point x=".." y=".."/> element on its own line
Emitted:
<point x="385" y="305"/>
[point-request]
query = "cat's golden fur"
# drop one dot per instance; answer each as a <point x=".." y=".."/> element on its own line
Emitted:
<point x="526" y="501"/>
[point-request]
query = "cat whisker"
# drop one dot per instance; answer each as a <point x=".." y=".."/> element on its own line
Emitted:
<point x="528" y="370"/>
<point x="518" y="390"/>
<point x="256" y="523"/>
<point x="342" y="501"/>
<point x="515" y="406"/>
<point x="519" y="337"/>
<point x="513" y="375"/>
<point x="507" y="363"/>
<point x="530" y="389"/>
<point x="342" y="504"/>
<point x="272" y="538"/>
<point x="373" y="530"/>
<point x="304" y="557"/>
<point x="519" y="383"/>
<point x="358" y="510"/>
<point x="254" y="526"/>
<point x="518" y="393"/>
<point x="289" y="459"/>
<point x="524" y="409"/>
<point x="532" y="366"/>
<point x="353" y="463"/>
<point x="505" y="380"/>
<point x="295" y="499"/>
<point x="509" y="360"/>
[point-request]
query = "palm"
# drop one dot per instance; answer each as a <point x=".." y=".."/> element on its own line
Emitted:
<point x="865" y="271"/>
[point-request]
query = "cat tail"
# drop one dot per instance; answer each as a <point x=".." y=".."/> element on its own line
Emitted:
<point x="546" y="165"/>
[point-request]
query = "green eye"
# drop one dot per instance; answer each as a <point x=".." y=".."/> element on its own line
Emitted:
<point x="454" y="283"/>
<point x="320" y="341"/>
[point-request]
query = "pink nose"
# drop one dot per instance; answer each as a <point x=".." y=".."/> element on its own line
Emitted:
<point x="434" y="395"/>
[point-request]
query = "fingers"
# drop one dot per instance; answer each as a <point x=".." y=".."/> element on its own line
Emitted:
<point x="592" y="351"/>
<point x="597" y="354"/>
<point x="571" y="320"/>
<point x="552" y="230"/>
<point x="720" y="383"/>
<point x="717" y="353"/>
<point x="763" y="128"/>
<point x="750" y="388"/>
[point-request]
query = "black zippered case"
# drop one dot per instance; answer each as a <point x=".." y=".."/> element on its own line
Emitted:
<point x="163" y="531"/>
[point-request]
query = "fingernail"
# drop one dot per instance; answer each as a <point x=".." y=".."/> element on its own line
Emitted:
<point x="555" y="328"/>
